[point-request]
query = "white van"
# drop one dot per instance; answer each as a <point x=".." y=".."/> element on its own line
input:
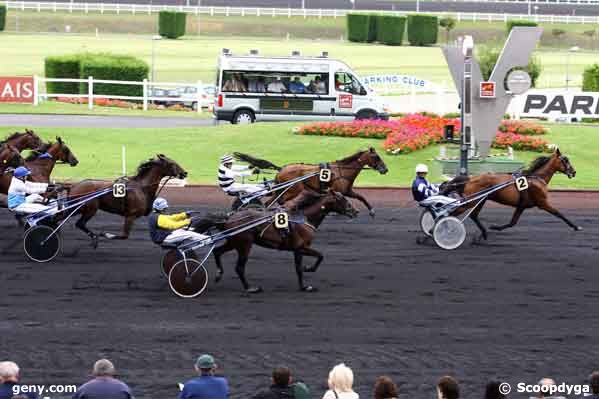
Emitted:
<point x="254" y="88"/>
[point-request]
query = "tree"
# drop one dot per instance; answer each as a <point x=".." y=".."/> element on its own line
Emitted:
<point x="447" y="23"/>
<point x="487" y="58"/>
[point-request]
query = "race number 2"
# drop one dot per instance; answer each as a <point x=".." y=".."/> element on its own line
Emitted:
<point x="119" y="190"/>
<point x="325" y="175"/>
<point x="522" y="183"/>
<point x="281" y="220"/>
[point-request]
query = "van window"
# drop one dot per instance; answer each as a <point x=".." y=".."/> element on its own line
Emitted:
<point x="348" y="83"/>
<point x="275" y="82"/>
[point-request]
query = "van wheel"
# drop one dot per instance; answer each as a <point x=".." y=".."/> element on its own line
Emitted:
<point x="367" y="115"/>
<point x="243" y="117"/>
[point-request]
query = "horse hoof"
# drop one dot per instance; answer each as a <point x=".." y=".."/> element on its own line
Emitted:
<point x="309" y="288"/>
<point x="218" y="278"/>
<point x="578" y="228"/>
<point x="254" y="290"/>
<point x="109" y="236"/>
<point x="371" y="213"/>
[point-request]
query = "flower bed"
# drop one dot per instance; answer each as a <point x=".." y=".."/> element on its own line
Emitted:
<point x="106" y="102"/>
<point x="520" y="142"/>
<point x="522" y="127"/>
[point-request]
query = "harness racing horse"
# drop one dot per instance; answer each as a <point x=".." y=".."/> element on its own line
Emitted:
<point x="315" y="208"/>
<point x="42" y="161"/>
<point x="140" y="193"/>
<point x="343" y="174"/>
<point x="10" y="157"/>
<point x="538" y="175"/>
<point x="24" y="141"/>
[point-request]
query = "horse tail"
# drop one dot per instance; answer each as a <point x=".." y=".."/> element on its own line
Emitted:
<point x="457" y="184"/>
<point x="202" y="224"/>
<point x="256" y="162"/>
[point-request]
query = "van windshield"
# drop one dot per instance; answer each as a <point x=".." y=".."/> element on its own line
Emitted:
<point x="275" y="82"/>
<point x="348" y="83"/>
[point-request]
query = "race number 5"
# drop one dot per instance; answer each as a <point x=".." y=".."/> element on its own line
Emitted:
<point x="522" y="183"/>
<point x="281" y="220"/>
<point x="325" y="175"/>
<point x="119" y="190"/>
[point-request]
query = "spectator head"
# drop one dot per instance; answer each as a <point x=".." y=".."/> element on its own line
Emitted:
<point x="545" y="382"/>
<point x="492" y="391"/>
<point x="385" y="388"/>
<point x="205" y="365"/>
<point x="9" y="372"/>
<point x="104" y="368"/>
<point x="341" y="378"/>
<point x="594" y="382"/>
<point x="317" y="78"/>
<point x="281" y="376"/>
<point x="447" y="388"/>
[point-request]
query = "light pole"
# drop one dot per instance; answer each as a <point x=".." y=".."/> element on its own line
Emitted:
<point x="154" y="39"/>
<point x="570" y="51"/>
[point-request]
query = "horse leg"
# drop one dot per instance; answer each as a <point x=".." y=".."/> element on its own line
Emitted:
<point x="127" y="226"/>
<point x="217" y="253"/>
<point x="547" y="207"/>
<point x="314" y="253"/>
<point x="476" y="220"/>
<point x="87" y="213"/>
<point x="243" y="252"/>
<point x="512" y="223"/>
<point x="299" y="269"/>
<point x="360" y="197"/>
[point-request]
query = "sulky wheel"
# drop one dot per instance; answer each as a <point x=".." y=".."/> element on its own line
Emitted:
<point x="42" y="243"/>
<point x="427" y="222"/>
<point x="253" y="204"/>
<point x="170" y="257"/>
<point x="449" y="232"/>
<point x="188" y="278"/>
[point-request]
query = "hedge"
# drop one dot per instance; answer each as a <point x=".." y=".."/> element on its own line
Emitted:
<point x="358" y="27"/>
<point x="113" y="67"/>
<point x="66" y="67"/>
<point x="171" y="24"/>
<point x="422" y="29"/>
<point x="391" y="29"/>
<point x="2" y="17"/>
<point x="590" y="78"/>
<point x="514" y="23"/>
<point x="373" y="23"/>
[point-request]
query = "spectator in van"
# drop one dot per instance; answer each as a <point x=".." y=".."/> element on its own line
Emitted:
<point x="234" y="84"/>
<point x="297" y="86"/>
<point x="317" y="86"/>
<point x="277" y="86"/>
<point x="257" y="85"/>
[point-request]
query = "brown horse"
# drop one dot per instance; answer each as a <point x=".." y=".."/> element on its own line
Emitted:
<point x="141" y="192"/>
<point x="24" y="141"/>
<point x="42" y="161"/>
<point x="343" y="174"/>
<point x="10" y="157"/>
<point x="538" y="175"/>
<point x="315" y="207"/>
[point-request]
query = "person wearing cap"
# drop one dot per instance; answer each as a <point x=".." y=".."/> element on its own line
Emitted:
<point x="23" y="195"/>
<point x="170" y="229"/>
<point x="104" y="385"/>
<point x="9" y="382"/>
<point x="228" y="172"/>
<point x="421" y="188"/>
<point x="206" y="385"/>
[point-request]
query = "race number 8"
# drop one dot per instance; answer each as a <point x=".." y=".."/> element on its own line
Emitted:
<point x="522" y="183"/>
<point x="325" y="175"/>
<point x="119" y="190"/>
<point x="281" y="220"/>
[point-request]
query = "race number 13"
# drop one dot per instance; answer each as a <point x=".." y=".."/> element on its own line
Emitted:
<point x="281" y="220"/>
<point x="119" y="190"/>
<point x="325" y="175"/>
<point x="522" y="183"/>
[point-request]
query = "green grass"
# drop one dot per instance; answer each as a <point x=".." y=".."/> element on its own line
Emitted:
<point x="192" y="59"/>
<point x="57" y="108"/>
<point x="198" y="151"/>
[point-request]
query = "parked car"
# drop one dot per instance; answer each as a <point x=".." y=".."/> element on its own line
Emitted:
<point x="158" y="94"/>
<point x="190" y="95"/>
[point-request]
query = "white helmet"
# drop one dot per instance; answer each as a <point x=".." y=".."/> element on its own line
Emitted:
<point x="421" y="168"/>
<point x="160" y="204"/>
<point x="226" y="158"/>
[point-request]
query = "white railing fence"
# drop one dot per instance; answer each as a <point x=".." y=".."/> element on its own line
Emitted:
<point x="146" y="98"/>
<point x="298" y="12"/>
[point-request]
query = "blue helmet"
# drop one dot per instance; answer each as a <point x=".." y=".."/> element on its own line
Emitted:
<point x="160" y="204"/>
<point x="21" y="171"/>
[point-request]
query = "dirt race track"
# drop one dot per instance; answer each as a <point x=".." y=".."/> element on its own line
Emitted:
<point x="518" y="308"/>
